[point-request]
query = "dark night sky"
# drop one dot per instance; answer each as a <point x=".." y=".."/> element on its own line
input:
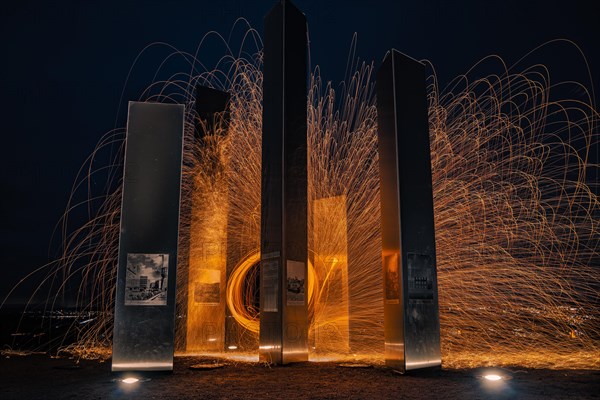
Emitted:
<point x="64" y="66"/>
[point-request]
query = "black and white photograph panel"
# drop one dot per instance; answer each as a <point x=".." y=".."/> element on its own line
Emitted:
<point x="147" y="279"/>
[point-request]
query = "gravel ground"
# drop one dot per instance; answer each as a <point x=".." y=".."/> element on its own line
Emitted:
<point x="42" y="377"/>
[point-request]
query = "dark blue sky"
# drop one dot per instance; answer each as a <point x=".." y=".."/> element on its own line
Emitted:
<point x="64" y="66"/>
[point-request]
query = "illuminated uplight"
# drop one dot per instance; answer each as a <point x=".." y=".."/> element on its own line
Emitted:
<point x="129" y="381"/>
<point x="492" y="377"/>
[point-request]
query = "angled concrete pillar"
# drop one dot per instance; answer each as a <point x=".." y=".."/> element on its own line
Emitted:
<point x="411" y="317"/>
<point x="283" y="312"/>
<point x="143" y="336"/>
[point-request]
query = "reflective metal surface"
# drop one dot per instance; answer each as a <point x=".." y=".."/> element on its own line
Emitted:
<point x="284" y="235"/>
<point x="206" y="275"/>
<point x="145" y="300"/>
<point x="331" y="331"/>
<point x="411" y="316"/>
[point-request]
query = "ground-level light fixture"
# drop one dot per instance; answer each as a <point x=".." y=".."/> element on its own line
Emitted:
<point x="492" y="377"/>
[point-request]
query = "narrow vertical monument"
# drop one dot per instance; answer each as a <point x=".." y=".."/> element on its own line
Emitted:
<point x="206" y="278"/>
<point x="284" y="235"/>
<point x="143" y="336"/>
<point x="330" y="331"/>
<point x="411" y="315"/>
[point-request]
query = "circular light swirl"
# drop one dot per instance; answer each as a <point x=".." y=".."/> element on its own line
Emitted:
<point x="236" y="295"/>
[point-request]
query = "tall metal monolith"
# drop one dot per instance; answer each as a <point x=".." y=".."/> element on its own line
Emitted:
<point x="284" y="236"/>
<point x="411" y="316"/>
<point x="206" y="280"/>
<point x="143" y="336"/>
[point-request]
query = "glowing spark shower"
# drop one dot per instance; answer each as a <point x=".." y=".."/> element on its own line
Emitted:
<point x="516" y="216"/>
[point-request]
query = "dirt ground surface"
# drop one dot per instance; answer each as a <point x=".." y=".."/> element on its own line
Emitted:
<point x="42" y="377"/>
